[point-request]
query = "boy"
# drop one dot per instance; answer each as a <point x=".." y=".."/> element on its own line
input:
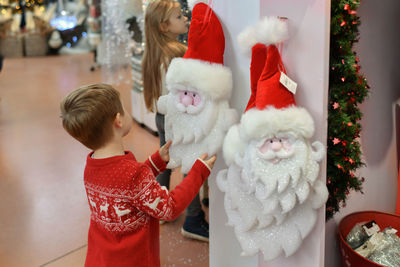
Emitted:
<point x="125" y="200"/>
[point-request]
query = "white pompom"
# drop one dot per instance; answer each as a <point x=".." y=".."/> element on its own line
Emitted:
<point x="192" y="3"/>
<point x="269" y="30"/>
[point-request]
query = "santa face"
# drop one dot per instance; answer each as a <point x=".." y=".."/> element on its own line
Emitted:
<point x="271" y="193"/>
<point x="275" y="161"/>
<point x="190" y="116"/>
<point x="195" y="122"/>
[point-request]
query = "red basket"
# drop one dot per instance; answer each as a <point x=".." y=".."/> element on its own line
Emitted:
<point x="349" y="256"/>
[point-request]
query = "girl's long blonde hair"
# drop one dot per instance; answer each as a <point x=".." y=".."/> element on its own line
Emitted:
<point x="160" y="49"/>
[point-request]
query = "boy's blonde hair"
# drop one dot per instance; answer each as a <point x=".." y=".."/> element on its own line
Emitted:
<point x="160" y="48"/>
<point x="88" y="113"/>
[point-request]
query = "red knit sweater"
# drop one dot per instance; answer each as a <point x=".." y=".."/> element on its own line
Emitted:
<point x="126" y="204"/>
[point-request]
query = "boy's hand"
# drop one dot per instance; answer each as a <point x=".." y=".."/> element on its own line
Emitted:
<point x="164" y="151"/>
<point x="210" y="162"/>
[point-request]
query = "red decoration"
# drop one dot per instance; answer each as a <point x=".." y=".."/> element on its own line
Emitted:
<point x="336" y="141"/>
<point x="210" y="49"/>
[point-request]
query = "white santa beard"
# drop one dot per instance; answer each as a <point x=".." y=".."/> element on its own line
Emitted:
<point x="272" y="220"/>
<point x="185" y="128"/>
<point x="274" y="176"/>
<point x="217" y="118"/>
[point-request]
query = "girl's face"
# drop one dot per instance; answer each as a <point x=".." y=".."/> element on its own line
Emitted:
<point x="177" y="23"/>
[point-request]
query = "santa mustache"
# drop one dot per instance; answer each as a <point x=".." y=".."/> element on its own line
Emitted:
<point x="193" y="110"/>
<point x="271" y="155"/>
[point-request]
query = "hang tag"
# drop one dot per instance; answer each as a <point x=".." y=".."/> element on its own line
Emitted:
<point x="288" y="83"/>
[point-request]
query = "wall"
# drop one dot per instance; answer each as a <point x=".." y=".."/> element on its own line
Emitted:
<point x="306" y="57"/>
<point x="378" y="50"/>
<point x="224" y="248"/>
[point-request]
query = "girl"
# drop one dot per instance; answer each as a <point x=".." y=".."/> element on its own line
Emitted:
<point x="163" y="23"/>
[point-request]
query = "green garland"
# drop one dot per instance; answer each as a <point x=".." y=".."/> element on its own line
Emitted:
<point x="347" y="89"/>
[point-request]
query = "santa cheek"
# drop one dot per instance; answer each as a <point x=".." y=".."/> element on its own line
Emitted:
<point x="287" y="145"/>
<point x="196" y="99"/>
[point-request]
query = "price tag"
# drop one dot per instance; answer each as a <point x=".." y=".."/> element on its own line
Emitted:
<point x="288" y="83"/>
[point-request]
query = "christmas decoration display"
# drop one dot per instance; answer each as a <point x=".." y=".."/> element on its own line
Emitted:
<point x="23" y="28"/>
<point x="32" y="27"/>
<point x="115" y="51"/>
<point x="271" y="186"/>
<point x="197" y="113"/>
<point x="382" y="247"/>
<point x="347" y="89"/>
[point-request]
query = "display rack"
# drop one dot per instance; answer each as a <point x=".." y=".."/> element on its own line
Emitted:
<point x="139" y="111"/>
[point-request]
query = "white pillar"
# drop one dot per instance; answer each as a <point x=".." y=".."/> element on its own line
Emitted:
<point x="234" y="16"/>
<point x="306" y="58"/>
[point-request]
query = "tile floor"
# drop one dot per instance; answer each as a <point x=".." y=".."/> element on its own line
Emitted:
<point x="44" y="213"/>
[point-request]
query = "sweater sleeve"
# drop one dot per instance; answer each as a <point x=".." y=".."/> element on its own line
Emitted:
<point x="156" y="163"/>
<point x="158" y="202"/>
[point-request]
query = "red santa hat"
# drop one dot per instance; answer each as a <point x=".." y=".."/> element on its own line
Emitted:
<point x="271" y="108"/>
<point x="202" y="65"/>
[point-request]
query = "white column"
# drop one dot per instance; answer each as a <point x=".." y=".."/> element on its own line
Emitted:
<point x="306" y="58"/>
<point x="234" y="16"/>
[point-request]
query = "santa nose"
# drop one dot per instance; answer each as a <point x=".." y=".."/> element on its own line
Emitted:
<point x="276" y="145"/>
<point x="187" y="100"/>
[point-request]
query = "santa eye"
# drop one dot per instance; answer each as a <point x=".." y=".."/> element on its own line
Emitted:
<point x="185" y="93"/>
<point x="271" y="141"/>
<point x="194" y="95"/>
<point x="280" y="140"/>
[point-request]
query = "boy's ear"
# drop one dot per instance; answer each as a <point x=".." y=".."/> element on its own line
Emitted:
<point x="118" y="120"/>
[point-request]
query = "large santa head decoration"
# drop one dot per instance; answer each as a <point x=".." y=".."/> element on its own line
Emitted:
<point x="272" y="190"/>
<point x="197" y="113"/>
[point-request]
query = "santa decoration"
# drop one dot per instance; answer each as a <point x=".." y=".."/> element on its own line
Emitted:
<point x="196" y="109"/>
<point x="271" y="186"/>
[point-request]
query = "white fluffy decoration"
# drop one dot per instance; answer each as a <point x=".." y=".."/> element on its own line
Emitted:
<point x="192" y="3"/>
<point x="269" y="30"/>
<point x="194" y="134"/>
<point x="271" y="196"/>
<point x="214" y="80"/>
<point x="256" y="123"/>
<point x="233" y="144"/>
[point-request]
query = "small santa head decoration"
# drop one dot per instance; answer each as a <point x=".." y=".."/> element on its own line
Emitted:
<point x="197" y="114"/>
<point x="272" y="191"/>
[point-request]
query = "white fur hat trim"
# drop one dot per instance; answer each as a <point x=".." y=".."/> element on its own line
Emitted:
<point x="212" y="79"/>
<point x="256" y="124"/>
<point x="269" y="30"/>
